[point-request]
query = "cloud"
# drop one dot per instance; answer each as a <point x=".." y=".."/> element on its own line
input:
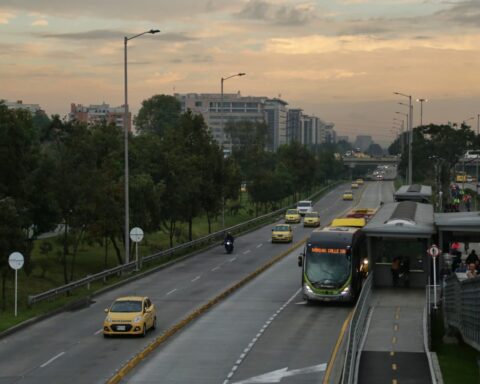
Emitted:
<point x="465" y="12"/>
<point x="312" y="75"/>
<point x="6" y="16"/>
<point x="291" y="15"/>
<point x="164" y="78"/>
<point x="40" y="23"/>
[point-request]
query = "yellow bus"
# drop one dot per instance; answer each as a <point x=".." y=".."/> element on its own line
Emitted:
<point x="351" y="222"/>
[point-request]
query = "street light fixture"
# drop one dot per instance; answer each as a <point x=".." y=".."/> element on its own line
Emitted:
<point x="125" y="128"/>
<point x="464" y="121"/>
<point x="221" y="128"/>
<point x="410" y="134"/>
<point x="421" y="101"/>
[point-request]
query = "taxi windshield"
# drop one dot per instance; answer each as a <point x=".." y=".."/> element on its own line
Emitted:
<point x="292" y="212"/>
<point x="127" y="306"/>
<point x="312" y="214"/>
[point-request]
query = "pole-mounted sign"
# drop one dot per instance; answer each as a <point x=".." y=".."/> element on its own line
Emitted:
<point x="16" y="260"/>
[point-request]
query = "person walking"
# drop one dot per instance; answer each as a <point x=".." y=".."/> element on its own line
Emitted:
<point x="395" y="269"/>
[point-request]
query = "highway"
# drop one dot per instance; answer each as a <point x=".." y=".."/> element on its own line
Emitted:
<point x="69" y="347"/>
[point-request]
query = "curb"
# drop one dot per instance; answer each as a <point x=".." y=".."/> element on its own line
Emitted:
<point x="134" y="361"/>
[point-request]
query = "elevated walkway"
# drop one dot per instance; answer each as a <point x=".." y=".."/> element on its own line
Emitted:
<point x="394" y="348"/>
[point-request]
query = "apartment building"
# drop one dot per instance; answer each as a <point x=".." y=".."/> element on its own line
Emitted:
<point x="96" y="113"/>
<point x="32" y="108"/>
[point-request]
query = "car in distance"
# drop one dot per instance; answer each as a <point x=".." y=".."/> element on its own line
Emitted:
<point x="311" y="219"/>
<point x="282" y="233"/>
<point x="130" y="315"/>
<point x="304" y="207"/>
<point x="293" y="216"/>
<point x="347" y="195"/>
<point x="354" y="185"/>
<point x="360" y="181"/>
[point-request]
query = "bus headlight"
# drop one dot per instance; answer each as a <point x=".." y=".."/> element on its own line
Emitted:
<point x="365" y="261"/>
<point x="346" y="291"/>
<point x="307" y="288"/>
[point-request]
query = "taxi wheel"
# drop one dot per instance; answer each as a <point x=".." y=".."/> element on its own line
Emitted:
<point x="154" y="325"/>
<point x="144" y="330"/>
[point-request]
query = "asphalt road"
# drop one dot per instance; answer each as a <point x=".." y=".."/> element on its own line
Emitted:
<point x="262" y="333"/>
<point x="69" y="347"/>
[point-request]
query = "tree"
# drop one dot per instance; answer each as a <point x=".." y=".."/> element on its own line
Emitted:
<point x="157" y="114"/>
<point x="375" y="150"/>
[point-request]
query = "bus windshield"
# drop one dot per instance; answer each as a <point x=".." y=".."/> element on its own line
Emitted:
<point x="327" y="267"/>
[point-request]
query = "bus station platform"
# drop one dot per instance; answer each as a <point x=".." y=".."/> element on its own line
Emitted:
<point x="393" y="351"/>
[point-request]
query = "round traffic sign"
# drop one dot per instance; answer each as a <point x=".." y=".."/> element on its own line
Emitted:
<point x="434" y="251"/>
<point x="15" y="260"/>
<point x="136" y="234"/>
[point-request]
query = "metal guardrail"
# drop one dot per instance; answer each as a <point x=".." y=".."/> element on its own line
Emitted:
<point x="118" y="270"/>
<point x="461" y="306"/>
<point x="356" y="331"/>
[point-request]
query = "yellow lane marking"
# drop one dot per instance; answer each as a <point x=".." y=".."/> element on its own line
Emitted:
<point x="394" y="340"/>
<point x="392" y="353"/>
<point x="132" y="363"/>
<point x="395" y="328"/>
<point x="394" y="367"/>
<point x="328" y="371"/>
<point x="394" y="381"/>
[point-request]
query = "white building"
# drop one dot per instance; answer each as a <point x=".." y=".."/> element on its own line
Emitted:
<point x="97" y="113"/>
<point x="276" y="119"/>
<point x="33" y="108"/>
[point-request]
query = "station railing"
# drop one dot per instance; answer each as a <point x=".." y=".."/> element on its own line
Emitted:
<point x="166" y="254"/>
<point x="461" y="306"/>
<point x="356" y="331"/>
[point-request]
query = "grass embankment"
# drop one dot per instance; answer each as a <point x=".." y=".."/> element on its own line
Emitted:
<point x="458" y="362"/>
<point x="92" y="257"/>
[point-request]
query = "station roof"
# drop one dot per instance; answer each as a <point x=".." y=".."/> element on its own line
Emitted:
<point x="414" y="192"/>
<point x="405" y="219"/>
<point x="458" y="221"/>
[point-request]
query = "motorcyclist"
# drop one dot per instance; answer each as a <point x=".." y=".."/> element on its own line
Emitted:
<point x="228" y="238"/>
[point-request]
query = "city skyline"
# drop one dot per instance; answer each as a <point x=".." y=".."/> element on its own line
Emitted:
<point x="340" y="60"/>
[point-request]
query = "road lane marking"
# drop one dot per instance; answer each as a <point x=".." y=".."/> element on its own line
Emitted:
<point x="99" y="331"/>
<point x="195" y="279"/>
<point x="257" y="337"/>
<point x="394" y="367"/>
<point x="279" y="374"/>
<point x="216" y="268"/>
<point x="173" y="290"/>
<point x="259" y="245"/>
<point x="247" y="251"/>
<point x="52" y="359"/>
<point x="232" y="259"/>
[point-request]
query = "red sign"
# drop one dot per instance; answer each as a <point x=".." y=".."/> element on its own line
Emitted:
<point x="433" y="251"/>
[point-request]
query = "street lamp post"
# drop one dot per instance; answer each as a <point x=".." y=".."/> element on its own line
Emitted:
<point x="221" y="128"/>
<point x="421" y="101"/>
<point x="125" y="128"/>
<point x="410" y="136"/>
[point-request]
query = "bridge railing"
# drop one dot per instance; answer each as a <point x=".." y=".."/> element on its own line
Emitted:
<point x="461" y="306"/>
<point x="164" y="255"/>
<point x="356" y="332"/>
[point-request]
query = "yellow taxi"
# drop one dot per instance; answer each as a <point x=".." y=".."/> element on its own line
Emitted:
<point x="311" y="219"/>
<point x="360" y="181"/>
<point x="354" y="185"/>
<point x="293" y="216"/>
<point x="130" y="315"/>
<point x="282" y="233"/>
<point x="347" y="195"/>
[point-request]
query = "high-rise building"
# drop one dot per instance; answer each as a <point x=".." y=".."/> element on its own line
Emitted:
<point x="276" y="119"/>
<point x="96" y="113"/>
<point x="294" y="125"/>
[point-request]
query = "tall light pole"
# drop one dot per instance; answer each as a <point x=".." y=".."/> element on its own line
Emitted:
<point x="421" y="101"/>
<point x="476" y="160"/>
<point x="221" y="127"/>
<point x="125" y="128"/>
<point x="410" y="135"/>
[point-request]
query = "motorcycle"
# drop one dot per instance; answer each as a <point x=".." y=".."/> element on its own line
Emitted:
<point x="229" y="246"/>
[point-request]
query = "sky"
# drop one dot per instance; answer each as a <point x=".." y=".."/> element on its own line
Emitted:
<point x="340" y="60"/>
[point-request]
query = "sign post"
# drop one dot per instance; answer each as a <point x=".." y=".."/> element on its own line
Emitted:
<point x="136" y="235"/>
<point x="434" y="251"/>
<point x="16" y="260"/>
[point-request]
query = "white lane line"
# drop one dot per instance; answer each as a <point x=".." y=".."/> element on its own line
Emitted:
<point x="232" y="259"/>
<point x="247" y="251"/>
<point x="216" y="268"/>
<point x="257" y="337"/>
<point x="99" y="331"/>
<point x="52" y="359"/>
<point x="195" y="279"/>
<point x="169" y="293"/>
<point x="259" y="245"/>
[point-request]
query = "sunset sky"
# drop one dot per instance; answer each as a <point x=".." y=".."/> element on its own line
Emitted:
<point x="340" y="60"/>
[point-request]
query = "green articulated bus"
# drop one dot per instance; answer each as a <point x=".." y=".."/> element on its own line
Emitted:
<point x="334" y="264"/>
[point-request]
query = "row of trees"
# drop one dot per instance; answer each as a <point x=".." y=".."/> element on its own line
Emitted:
<point x="54" y="172"/>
